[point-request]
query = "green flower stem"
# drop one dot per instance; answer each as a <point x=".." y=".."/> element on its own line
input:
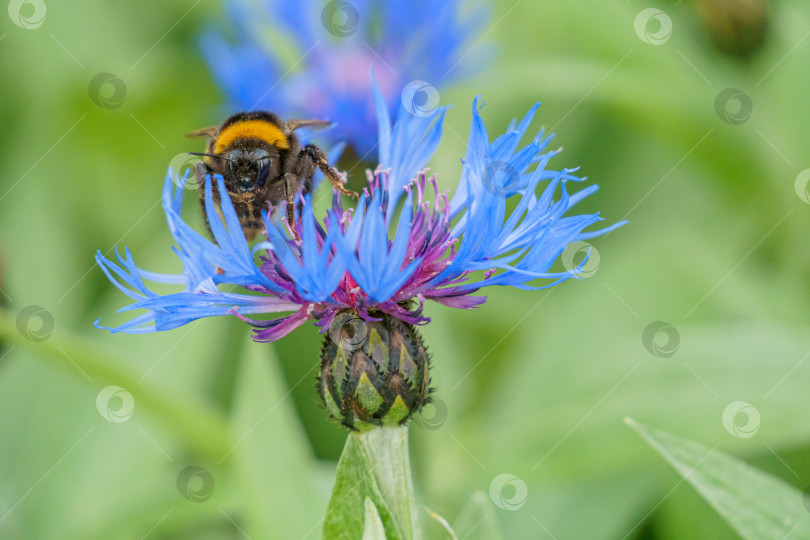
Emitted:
<point x="374" y="465"/>
<point x="201" y="428"/>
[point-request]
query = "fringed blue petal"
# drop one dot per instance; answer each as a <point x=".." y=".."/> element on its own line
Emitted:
<point x="524" y="244"/>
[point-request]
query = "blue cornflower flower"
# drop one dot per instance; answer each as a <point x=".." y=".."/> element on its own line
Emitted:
<point x="389" y="254"/>
<point x="413" y="45"/>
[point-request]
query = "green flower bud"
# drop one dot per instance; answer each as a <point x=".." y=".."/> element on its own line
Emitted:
<point x="373" y="373"/>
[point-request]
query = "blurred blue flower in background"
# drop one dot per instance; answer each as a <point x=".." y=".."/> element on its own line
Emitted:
<point x="389" y="254"/>
<point x="312" y="58"/>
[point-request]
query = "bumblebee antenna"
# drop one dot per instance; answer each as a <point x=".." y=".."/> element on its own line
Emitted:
<point x="209" y="155"/>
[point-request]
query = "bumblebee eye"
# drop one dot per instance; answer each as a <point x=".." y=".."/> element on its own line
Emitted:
<point x="264" y="171"/>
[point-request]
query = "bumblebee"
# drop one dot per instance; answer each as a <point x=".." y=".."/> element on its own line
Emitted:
<point x="261" y="162"/>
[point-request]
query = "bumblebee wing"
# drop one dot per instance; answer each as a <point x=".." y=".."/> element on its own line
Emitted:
<point x="292" y="125"/>
<point x="210" y="132"/>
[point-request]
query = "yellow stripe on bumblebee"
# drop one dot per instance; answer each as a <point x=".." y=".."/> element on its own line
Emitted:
<point x="251" y="129"/>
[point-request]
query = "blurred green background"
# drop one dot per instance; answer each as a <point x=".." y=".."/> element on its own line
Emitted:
<point x="532" y="384"/>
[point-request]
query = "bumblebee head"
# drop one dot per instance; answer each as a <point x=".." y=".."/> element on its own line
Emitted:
<point x="248" y="169"/>
<point x="243" y="169"/>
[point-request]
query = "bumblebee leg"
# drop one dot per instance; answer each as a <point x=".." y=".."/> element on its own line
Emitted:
<point x="289" y="195"/>
<point x="317" y="157"/>
<point x="306" y="190"/>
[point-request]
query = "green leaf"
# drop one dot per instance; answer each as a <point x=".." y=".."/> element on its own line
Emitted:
<point x="274" y="467"/>
<point x="373" y="528"/>
<point x="757" y="505"/>
<point x="374" y="465"/>
<point x="201" y="427"/>
<point x="715" y="365"/>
